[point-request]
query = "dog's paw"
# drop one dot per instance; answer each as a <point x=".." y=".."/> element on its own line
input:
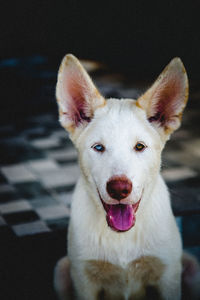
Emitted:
<point x="190" y="277"/>
<point x="62" y="279"/>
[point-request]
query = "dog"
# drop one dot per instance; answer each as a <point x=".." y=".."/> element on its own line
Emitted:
<point x="123" y="241"/>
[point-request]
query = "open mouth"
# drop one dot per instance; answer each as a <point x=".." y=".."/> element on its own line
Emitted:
<point x="120" y="217"/>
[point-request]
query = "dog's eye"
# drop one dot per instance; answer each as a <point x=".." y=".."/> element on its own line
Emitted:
<point x="139" y="147"/>
<point x="98" y="147"/>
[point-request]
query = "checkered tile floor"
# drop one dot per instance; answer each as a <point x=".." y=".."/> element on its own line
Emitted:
<point x="38" y="170"/>
<point x="35" y="188"/>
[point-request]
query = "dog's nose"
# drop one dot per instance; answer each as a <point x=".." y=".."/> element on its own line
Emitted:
<point x="119" y="187"/>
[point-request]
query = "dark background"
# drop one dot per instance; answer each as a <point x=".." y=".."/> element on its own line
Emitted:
<point x="138" y="36"/>
<point x="135" y="37"/>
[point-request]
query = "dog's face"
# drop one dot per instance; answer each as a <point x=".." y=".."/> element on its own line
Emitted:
<point x="120" y="141"/>
<point x="119" y="154"/>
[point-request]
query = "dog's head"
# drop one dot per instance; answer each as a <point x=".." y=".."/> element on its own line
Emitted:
<point x="120" y="142"/>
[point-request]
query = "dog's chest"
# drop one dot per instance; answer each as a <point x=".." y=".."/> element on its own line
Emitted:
<point x="139" y="280"/>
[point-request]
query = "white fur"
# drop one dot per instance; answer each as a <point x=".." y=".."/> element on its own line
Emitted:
<point x="119" y="126"/>
<point x="90" y="237"/>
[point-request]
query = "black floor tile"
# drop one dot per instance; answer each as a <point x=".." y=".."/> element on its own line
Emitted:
<point x="58" y="224"/>
<point x="12" y="152"/>
<point x="7" y="131"/>
<point x="185" y="200"/>
<point x="8" y="196"/>
<point x="6" y="235"/>
<point x="191" y="230"/>
<point x="36" y="132"/>
<point x="31" y="189"/>
<point x="21" y="217"/>
<point x="65" y="188"/>
<point x="63" y="162"/>
<point x="194" y="251"/>
<point x="2" y="179"/>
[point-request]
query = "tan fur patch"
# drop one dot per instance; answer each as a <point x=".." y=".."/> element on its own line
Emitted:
<point x="97" y="94"/>
<point x="138" y="104"/>
<point x="147" y="269"/>
<point x="186" y="93"/>
<point x="104" y="273"/>
<point x="111" y="280"/>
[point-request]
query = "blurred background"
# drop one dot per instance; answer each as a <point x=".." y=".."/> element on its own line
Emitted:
<point x="132" y="41"/>
<point x="135" y="37"/>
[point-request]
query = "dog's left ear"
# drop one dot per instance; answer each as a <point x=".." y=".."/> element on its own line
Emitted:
<point x="165" y="100"/>
<point x="76" y="95"/>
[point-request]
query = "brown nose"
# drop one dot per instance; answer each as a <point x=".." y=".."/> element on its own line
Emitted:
<point x="119" y="187"/>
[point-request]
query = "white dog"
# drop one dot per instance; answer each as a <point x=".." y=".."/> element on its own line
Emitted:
<point x="123" y="242"/>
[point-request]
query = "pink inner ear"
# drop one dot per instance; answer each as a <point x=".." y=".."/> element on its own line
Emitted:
<point x="166" y="101"/>
<point x="75" y="92"/>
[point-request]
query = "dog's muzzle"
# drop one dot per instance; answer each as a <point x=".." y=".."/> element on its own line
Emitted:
<point x="120" y="216"/>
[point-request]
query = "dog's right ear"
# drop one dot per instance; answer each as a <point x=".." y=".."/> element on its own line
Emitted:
<point x="166" y="99"/>
<point x="76" y="95"/>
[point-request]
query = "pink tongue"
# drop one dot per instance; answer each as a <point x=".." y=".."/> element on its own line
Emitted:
<point x="120" y="217"/>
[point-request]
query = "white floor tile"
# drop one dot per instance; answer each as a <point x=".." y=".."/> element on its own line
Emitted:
<point x="42" y="165"/>
<point x="64" y="154"/>
<point x="178" y="173"/>
<point x="30" y="228"/>
<point x="45" y="143"/>
<point x="63" y="177"/>
<point x="65" y="198"/>
<point x="60" y="133"/>
<point x="53" y="212"/>
<point x="18" y="173"/>
<point x="15" y="206"/>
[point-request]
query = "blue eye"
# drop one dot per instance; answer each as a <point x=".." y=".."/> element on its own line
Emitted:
<point x="98" y="148"/>
<point x="139" y="147"/>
